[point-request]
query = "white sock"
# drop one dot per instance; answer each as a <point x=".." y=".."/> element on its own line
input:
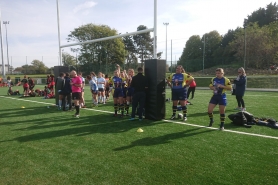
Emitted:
<point x="60" y="103"/>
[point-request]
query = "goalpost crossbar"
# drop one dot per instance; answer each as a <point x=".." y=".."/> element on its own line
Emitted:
<point x="108" y="38"/>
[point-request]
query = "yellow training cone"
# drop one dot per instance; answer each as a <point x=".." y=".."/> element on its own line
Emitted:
<point x="140" y="130"/>
<point x="22" y="107"/>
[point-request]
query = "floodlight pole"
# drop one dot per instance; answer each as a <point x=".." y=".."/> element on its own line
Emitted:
<point x="59" y="38"/>
<point x="204" y="54"/>
<point x="2" y="55"/>
<point x="7" y="22"/>
<point x="171" y="57"/>
<point x="245" y="25"/>
<point x="155" y="31"/>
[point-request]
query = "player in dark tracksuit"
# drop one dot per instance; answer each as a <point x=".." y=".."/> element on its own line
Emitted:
<point x="66" y="92"/>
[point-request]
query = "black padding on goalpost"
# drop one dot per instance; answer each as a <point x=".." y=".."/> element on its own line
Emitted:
<point x="155" y="71"/>
<point x="57" y="71"/>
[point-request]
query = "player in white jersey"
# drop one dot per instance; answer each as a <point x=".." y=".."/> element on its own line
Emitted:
<point x="101" y="85"/>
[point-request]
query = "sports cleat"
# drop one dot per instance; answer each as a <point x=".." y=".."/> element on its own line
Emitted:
<point x="210" y="123"/>
<point x="173" y="117"/>
<point x="76" y="115"/>
<point x="185" y="119"/>
<point x="243" y="109"/>
<point x="180" y="116"/>
<point x="140" y="119"/>
<point x="131" y="119"/>
<point x="221" y="128"/>
<point x="115" y="115"/>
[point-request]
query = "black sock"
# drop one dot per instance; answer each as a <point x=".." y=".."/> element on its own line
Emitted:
<point x="116" y="108"/>
<point x="174" y="110"/>
<point x="210" y="117"/>
<point x="77" y="109"/>
<point x="184" y="110"/>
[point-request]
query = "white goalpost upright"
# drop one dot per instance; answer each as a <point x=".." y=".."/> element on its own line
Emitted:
<point x="154" y="30"/>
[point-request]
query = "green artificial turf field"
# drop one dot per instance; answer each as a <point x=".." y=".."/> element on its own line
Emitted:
<point x="41" y="145"/>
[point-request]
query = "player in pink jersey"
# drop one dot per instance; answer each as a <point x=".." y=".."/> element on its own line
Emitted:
<point x="76" y="88"/>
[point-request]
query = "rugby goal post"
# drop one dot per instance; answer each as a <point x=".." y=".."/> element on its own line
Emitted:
<point x="154" y="29"/>
<point x="155" y="70"/>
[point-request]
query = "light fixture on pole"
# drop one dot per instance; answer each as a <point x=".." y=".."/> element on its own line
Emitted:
<point x="7" y="22"/>
<point x="166" y="24"/>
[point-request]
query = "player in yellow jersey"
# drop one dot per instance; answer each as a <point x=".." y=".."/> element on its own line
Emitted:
<point x="219" y="85"/>
<point x="116" y="80"/>
<point x="178" y="84"/>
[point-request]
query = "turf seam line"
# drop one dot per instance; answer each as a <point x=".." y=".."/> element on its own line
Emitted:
<point x="170" y="121"/>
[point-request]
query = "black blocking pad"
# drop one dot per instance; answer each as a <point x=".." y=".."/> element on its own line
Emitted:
<point x="155" y="71"/>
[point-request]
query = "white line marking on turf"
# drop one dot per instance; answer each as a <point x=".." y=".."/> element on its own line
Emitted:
<point x="170" y="121"/>
<point x="247" y="95"/>
<point x="238" y="132"/>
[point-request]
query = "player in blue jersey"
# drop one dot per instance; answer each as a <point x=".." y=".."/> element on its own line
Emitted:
<point x="117" y="81"/>
<point x="219" y="85"/>
<point x="178" y="84"/>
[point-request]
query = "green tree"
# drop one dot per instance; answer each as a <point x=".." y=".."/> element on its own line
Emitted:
<point x="39" y="67"/>
<point x="131" y="58"/>
<point x="28" y="69"/>
<point x="258" y="46"/>
<point x="143" y="44"/>
<point x="68" y="60"/>
<point x="191" y="58"/>
<point x="263" y="16"/>
<point x="212" y="46"/>
<point x="95" y="56"/>
<point x="227" y="54"/>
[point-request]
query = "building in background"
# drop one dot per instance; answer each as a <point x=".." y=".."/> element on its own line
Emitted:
<point x="6" y="69"/>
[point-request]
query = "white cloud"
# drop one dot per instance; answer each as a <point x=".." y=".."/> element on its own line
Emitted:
<point x="84" y="6"/>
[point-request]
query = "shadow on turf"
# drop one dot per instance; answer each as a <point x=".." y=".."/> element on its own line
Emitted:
<point x="30" y="111"/>
<point x="65" y="126"/>
<point x="198" y="114"/>
<point x="149" y="141"/>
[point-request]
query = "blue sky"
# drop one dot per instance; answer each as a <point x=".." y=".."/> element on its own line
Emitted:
<point x="32" y="28"/>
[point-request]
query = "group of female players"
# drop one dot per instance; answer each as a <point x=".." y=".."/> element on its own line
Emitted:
<point x="118" y="86"/>
<point x="180" y="81"/>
